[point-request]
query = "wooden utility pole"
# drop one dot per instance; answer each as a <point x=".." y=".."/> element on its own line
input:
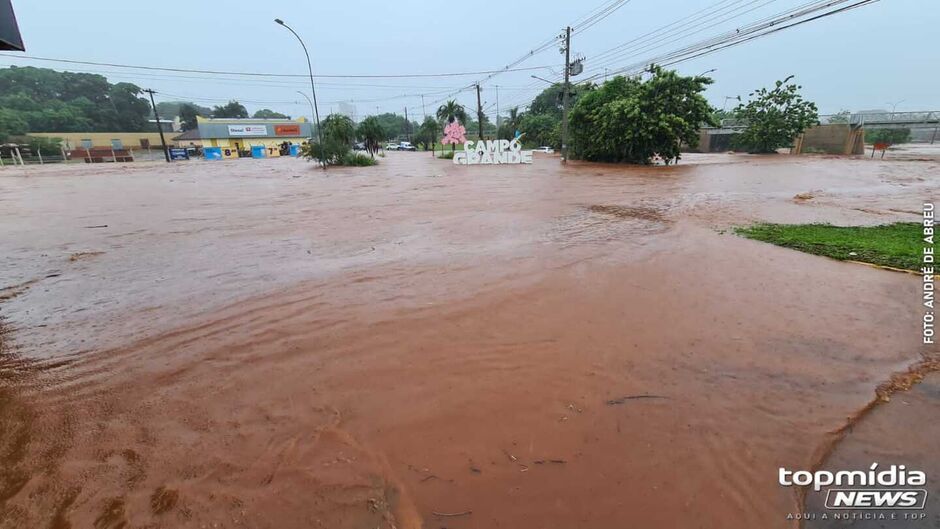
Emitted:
<point x="407" y="125"/>
<point x="166" y="153"/>
<point x="564" y="97"/>
<point x="479" y="112"/>
<point x="497" y="111"/>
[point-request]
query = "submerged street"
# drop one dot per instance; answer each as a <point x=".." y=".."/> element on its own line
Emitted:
<point x="260" y="343"/>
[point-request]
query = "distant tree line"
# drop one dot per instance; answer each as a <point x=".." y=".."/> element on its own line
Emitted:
<point x="44" y="100"/>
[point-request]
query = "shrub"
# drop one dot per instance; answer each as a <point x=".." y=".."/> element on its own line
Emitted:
<point x="890" y="136"/>
<point x="356" y="159"/>
<point x="446" y="156"/>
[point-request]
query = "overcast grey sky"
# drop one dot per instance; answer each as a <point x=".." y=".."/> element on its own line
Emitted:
<point x="871" y="57"/>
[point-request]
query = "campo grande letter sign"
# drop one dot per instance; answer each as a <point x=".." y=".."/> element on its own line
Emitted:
<point x="492" y="152"/>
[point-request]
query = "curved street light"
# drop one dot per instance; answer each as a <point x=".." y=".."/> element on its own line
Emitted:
<point x="316" y="111"/>
<point x="312" y="110"/>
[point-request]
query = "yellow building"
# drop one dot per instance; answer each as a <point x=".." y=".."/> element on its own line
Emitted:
<point x="234" y="134"/>
<point x="116" y="140"/>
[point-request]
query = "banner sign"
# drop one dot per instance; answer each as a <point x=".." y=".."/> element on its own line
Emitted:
<point x="178" y="154"/>
<point x="287" y="130"/>
<point x="493" y="152"/>
<point x="247" y="130"/>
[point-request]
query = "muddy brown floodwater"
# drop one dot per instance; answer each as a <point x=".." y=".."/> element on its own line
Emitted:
<point x="263" y="344"/>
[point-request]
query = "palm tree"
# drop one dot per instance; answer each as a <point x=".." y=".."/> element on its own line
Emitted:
<point x="371" y="133"/>
<point x="452" y="110"/>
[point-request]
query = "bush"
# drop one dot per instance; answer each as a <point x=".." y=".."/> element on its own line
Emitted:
<point x="890" y="136"/>
<point x="447" y="156"/>
<point x="356" y="159"/>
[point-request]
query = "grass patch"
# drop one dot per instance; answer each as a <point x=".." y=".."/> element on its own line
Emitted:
<point x="446" y="156"/>
<point x="896" y="245"/>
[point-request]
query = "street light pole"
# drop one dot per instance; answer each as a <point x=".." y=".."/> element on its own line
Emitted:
<point x="312" y="110"/>
<point x="313" y="90"/>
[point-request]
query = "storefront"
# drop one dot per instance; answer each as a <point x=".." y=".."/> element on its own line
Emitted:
<point x="250" y="137"/>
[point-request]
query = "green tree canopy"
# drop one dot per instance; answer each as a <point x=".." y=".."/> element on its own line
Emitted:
<point x="774" y="117"/>
<point x="266" y="113"/>
<point x="551" y="100"/>
<point x="634" y="121"/>
<point x="232" y="109"/>
<point x="541" y="129"/>
<point x="395" y="125"/>
<point x="44" y="100"/>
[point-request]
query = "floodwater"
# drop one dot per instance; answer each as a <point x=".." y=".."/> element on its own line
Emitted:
<point x="259" y="343"/>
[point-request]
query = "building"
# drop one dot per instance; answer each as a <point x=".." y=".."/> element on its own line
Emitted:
<point x="236" y="135"/>
<point x="115" y="140"/>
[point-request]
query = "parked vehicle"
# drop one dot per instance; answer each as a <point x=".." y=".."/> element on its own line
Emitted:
<point x="546" y="150"/>
<point x="391" y="146"/>
<point x="406" y="146"/>
<point x="359" y="146"/>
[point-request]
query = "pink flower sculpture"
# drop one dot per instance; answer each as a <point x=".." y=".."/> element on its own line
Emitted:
<point x="454" y="132"/>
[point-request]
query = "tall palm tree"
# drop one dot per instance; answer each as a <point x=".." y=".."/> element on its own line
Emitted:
<point x="452" y="110"/>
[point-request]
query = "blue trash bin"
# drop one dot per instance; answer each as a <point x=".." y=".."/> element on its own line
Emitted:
<point x="258" y="151"/>
<point x="212" y="153"/>
<point x="295" y="150"/>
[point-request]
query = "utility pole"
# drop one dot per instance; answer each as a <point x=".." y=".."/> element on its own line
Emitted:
<point x="407" y="125"/>
<point x="564" y="97"/>
<point x="424" y="109"/>
<point x="497" y="110"/>
<point x="166" y="153"/>
<point x="479" y="112"/>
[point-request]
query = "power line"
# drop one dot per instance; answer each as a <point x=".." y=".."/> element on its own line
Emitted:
<point x="729" y="39"/>
<point x="262" y="74"/>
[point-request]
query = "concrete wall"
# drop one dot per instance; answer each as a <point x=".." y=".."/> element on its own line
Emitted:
<point x="831" y="139"/>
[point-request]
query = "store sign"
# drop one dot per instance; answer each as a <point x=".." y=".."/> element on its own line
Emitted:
<point x="493" y="152"/>
<point x="247" y="130"/>
<point x="287" y="130"/>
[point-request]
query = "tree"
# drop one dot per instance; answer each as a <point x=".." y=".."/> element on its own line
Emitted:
<point x="339" y="132"/>
<point x="452" y="111"/>
<point x="841" y="117"/>
<point x="49" y="101"/>
<point x="371" y="133"/>
<point x="551" y="100"/>
<point x="266" y="113"/>
<point x="428" y="133"/>
<point x="188" y="114"/>
<point x="541" y="129"/>
<point x="774" y="117"/>
<point x="394" y="125"/>
<point x="232" y="109"/>
<point x="636" y="121"/>
<point x="510" y="124"/>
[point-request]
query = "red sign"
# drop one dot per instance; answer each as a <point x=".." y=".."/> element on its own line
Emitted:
<point x="287" y="130"/>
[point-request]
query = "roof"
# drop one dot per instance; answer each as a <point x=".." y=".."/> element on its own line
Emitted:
<point x="188" y="135"/>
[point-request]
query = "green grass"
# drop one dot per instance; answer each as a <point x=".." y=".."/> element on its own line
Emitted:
<point x="896" y="245"/>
